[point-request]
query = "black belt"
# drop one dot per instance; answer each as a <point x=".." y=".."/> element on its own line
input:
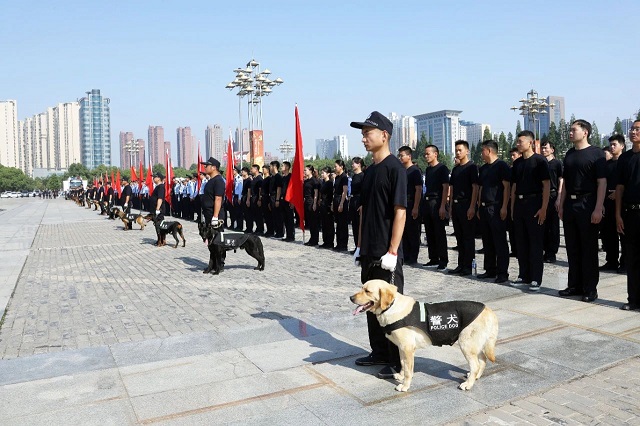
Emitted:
<point x="579" y="196"/>
<point x="489" y="203"/>
<point x="523" y="196"/>
<point x="632" y="206"/>
<point x="459" y="200"/>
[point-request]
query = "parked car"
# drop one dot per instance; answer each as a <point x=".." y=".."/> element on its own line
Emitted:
<point x="5" y="194"/>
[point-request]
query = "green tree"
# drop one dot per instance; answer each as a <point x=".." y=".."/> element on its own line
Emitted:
<point x="510" y="140"/>
<point x="486" y="135"/>
<point x="563" y="139"/>
<point x="638" y="115"/>
<point x="476" y="153"/>
<point x="159" y="168"/>
<point x="445" y="159"/>
<point x="54" y="182"/>
<point x="617" y="127"/>
<point x="595" y="137"/>
<point x="503" y="146"/>
<point x="13" y="179"/>
<point x="518" y="128"/>
<point x="420" y="146"/>
<point x="554" y="137"/>
<point x="77" y="169"/>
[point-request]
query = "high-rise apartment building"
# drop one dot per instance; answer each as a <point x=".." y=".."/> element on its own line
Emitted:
<point x="241" y="142"/>
<point x="95" y="130"/>
<point x="186" y="147"/>
<point x="214" y="144"/>
<point x="441" y="127"/>
<point x="326" y="148"/>
<point x="66" y="130"/>
<point x="9" y="148"/>
<point x="472" y="132"/>
<point x="156" y="145"/>
<point x="404" y="131"/>
<point x="343" y="145"/>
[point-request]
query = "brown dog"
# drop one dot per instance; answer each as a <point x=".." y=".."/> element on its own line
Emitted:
<point x="411" y="325"/>
<point x="129" y="219"/>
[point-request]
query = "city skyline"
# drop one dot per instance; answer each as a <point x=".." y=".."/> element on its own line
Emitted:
<point x="330" y="75"/>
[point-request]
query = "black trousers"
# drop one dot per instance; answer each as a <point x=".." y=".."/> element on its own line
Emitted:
<point x="381" y="347"/>
<point x="185" y="205"/>
<point x="581" y="238"/>
<point x="267" y="215"/>
<point x="494" y="240"/>
<point x="288" y="219"/>
<point x="611" y="240"/>
<point x="197" y="207"/>
<point x="342" y="223"/>
<point x="326" y="221"/>
<point x="435" y="230"/>
<point x="257" y="215"/>
<point x="276" y="215"/>
<point x="411" y="237"/>
<point x="631" y="220"/>
<point x="529" y="238"/>
<point x="354" y="217"/>
<point x="236" y="220"/>
<point x="551" y="228"/>
<point x="311" y="222"/>
<point x="465" y="234"/>
<point x="247" y="214"/>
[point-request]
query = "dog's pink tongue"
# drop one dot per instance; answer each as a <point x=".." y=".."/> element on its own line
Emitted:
<point x="358" y="310"/>
<point x="206" y="242"/>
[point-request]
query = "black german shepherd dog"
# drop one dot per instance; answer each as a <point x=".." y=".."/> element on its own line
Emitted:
<point x="220" y="242"/>
<point x="164" y="227"/>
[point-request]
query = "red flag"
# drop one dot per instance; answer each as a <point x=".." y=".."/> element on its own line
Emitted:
<point x="295" y="193"/>
<point x="230" y="182"/>
<point x="117" y="184"/>
<point x="133" y="174"/>
<point x="169" y="181"/>
<point x="149" y="182"/>
<point x="113" y="181"/>
<point x="198" y="170"/>
<point x="141" y="174"/>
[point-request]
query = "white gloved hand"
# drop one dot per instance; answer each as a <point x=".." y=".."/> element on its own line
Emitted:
<point x="389" y="261"/>
<point x="356" y="257"/>
<point x="125" y="205"/>
<point x="157" y="212"/>
<point x="215" y="222"/>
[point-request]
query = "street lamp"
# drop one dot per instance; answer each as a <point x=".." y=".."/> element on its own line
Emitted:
<point x="131" y="147"/>
<point x="533" y="107"/>
<point x="285" y="148"/>
<point x="254" y="84"/>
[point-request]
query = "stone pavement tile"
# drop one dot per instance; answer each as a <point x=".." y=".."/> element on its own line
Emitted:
<point x="145" y="351"/>
<point x="54" y="364"/>
<point x="514" y="324"/>
<point x="155" y="377"/>
<point x="42" y="396"/>
<point x="222" y="393"/>
<point x="592" y="316"/>
<point x="274" y="328"/>
<point x="576" y="349"/>
<point x="295" y="352"/>
<point x="105" y="413"/>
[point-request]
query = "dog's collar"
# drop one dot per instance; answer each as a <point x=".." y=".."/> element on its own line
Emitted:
<point x="388" y="307"/>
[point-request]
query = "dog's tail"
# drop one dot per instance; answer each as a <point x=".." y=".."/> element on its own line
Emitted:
<point x="490" y="344"/>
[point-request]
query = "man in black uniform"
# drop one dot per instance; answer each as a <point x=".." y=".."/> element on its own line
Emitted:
<point x="339" y="206"/>
<point x="463" y="186"/>
<point x="514" y="154"/>
<point x="383" y="212"/>
<point x="581" y="209"/>
<point x="285" y="206"/>
<point x="529" y="200"/>
<point x="212" y="199"/>
<point x="357" y="167"/>
<point x="611" y="240"/>
<point x="256" y="197"/>
<point x="494" y="179"/>
<point x="275" y="193"/>
<point x="245" y="201"/>
<point x="628" y="214"/>
<point x="435" y="214"/>
<point x="311" y="192"/>
<point x="156" y="200"/>
<point x="411" y="234"/>
<point x="126" y="196"/>
<point x="265" y="201"/>
<point x="552" y="222"/>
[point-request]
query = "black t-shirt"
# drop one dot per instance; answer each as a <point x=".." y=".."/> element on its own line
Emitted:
<point x="555" y="173"/>
<point x="462" y="179"/>
<point x="285" y="184"/>
<point x="491" y="179"/>
<point x="339" y="184"/>
<point x="528" y="174"/>
<point x="274" y="183"/>
<point x="157" y="194"/>
<point x="308" y="189"/>
<point x="126" y="191"/>
<point x="256" y="185"/>
<point x="356" y="184"/>
<point x="611" y="174"/>
<point x="628" y="175"/>
<point x="414" y="178"/>
<point x="266" y="187"/>
<point x="434" y="178"/>
<point x="246" y="184"/>
<point x="214" y="188"/>
<point x="326" y="192"/>
<point x="582" y="169"/>
<point x="384" y="186"/>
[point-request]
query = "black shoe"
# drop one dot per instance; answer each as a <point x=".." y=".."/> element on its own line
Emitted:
<point x="550" y="259"/>
<point x="465" y="272"/>
<point x="288" y="240"/>
<point x="455" y="271"/>
<point x="455" y="248"/>
<point x="622" y="269"/>
<point x="480" y="251"/>
<point x="629" y="307"/>
<point x="441" y="267"/>
<point x="501" y="279"/>
<point x="371" y="360"/>
<point x="590" y="297"/>
<point x="326" y="246"/>
<point x="513" y="255"/>
<point x="410" y="262"/>
<point x="609" y="267"/>
<point x="387" y="372"/>
<point x="340" y="249"/>
<point x="570" y="291"/>
<point x="486" y="275"/>
<point x="431" y="263"/>
<point x="278" y="236"/>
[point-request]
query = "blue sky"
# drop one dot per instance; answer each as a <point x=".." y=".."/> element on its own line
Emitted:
<point x="167" y="63"/>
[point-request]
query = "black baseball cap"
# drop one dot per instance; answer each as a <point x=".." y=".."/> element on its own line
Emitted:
<point x="377" y="120"/>
<point x="211" y="162"/>
<point x="158" y="175"/>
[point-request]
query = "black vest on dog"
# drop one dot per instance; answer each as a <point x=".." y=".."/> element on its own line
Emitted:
<point x="229" y="240"/>
<point x="442" y="322"/>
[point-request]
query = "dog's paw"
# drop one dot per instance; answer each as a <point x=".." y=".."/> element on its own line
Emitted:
<point x="465" y="386"/>
<point x="402" y="388"/>
<point x="399" y="377"/>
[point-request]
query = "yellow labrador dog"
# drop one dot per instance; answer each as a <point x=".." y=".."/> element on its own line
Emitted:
<point x="411" y="325"/>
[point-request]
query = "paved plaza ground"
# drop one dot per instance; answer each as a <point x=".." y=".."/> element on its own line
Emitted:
<point x="101" y="327"/>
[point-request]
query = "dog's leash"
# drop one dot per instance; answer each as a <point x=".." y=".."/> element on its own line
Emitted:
<point x="393" y="273"/>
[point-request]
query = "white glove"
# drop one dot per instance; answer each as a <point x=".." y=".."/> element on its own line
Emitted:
<point x="389" y="261"/>
<point x="125" y="205"/>
<point x="215" y="222"/>
<point x="157" y="212"/>
<point x="356" y="257"/>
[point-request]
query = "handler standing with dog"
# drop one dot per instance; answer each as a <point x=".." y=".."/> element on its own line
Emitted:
<point x="382" y="220"/>
<point x="212" y="203"/>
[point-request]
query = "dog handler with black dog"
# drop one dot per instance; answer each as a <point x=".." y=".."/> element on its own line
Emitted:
<point x="212" y="199"/>
<point x="382" y="220"/>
